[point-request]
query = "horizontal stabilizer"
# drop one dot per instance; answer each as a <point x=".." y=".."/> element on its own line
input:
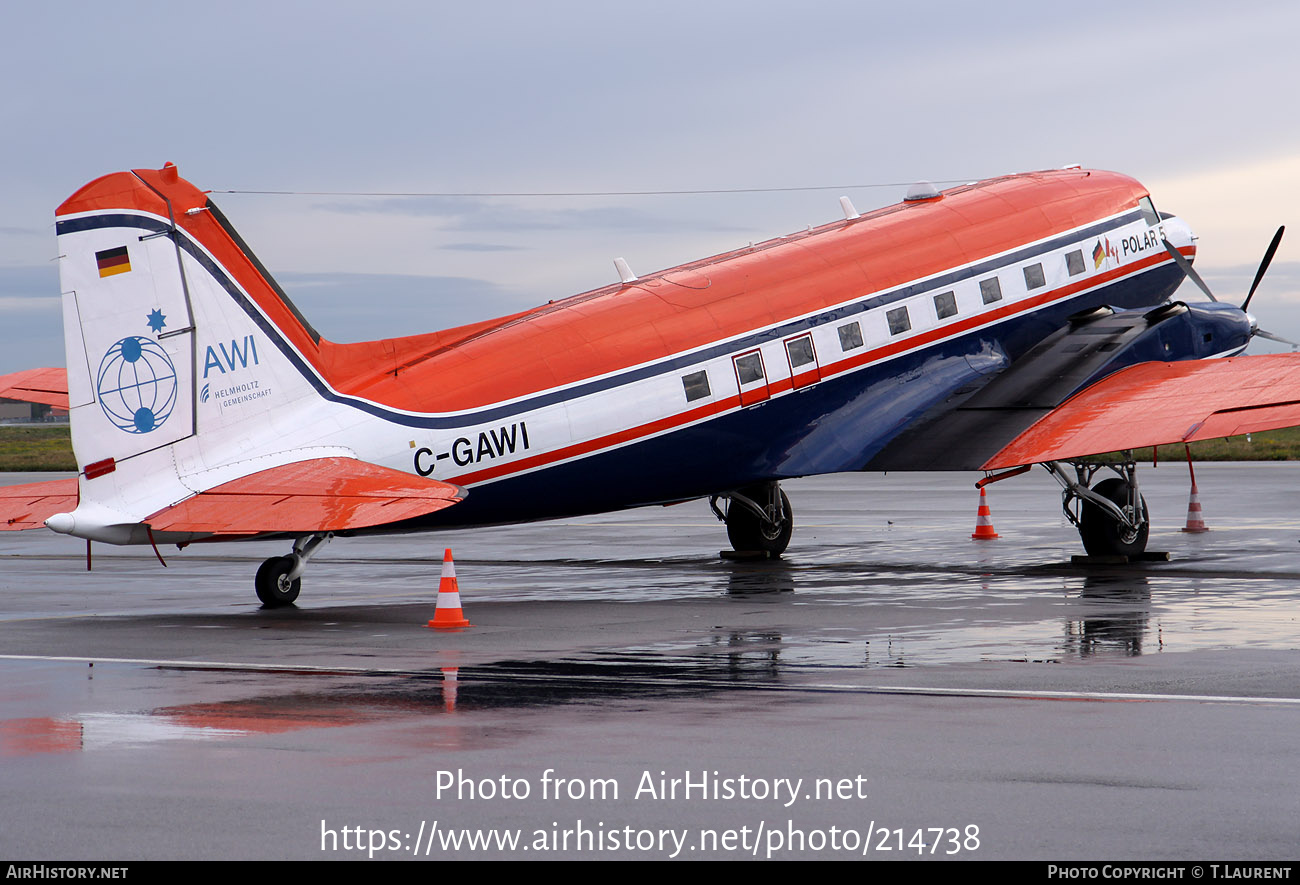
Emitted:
<point x="27" y="506"/>
<point x="46" y="386"/>
<point x="320" y="495"/>
<point x="1154" y="404"/>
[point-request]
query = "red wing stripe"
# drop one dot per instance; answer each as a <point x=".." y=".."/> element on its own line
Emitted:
<point x="1161" y="403"/>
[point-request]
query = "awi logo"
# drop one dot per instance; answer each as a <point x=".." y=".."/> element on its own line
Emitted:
<point x="238" y="356"/>
<point x="136" y="384"/>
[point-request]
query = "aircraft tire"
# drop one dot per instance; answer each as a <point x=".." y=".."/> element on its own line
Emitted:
<point x="1102" y="535"/>
<point x="272" y="588"/>
<point x="747" y="533"/>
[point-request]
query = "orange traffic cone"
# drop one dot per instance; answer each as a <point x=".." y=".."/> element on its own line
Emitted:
<point x="984" y="520"/>
<point x="448" y="614"/>
<point x="1195" y="522"/>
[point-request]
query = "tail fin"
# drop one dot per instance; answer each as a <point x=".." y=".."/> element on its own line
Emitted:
<point x="176" y="338"/>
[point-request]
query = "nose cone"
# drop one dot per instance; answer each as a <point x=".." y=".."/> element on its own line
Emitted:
<point x="1179" y="234"/>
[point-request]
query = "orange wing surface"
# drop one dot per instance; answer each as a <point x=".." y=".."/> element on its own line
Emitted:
<point x="47" y="386"/>
<point x="1154" y="404"/>
<point x="320" y="495"/>
<point x="28" y="506"/>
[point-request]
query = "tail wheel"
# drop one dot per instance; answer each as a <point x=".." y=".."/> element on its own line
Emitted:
<point x="748" y="532"/>
<point x="1102" y="534"/>
<point x="272" y="583"/>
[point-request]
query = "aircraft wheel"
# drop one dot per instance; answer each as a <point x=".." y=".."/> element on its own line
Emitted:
<point x="748" y="533"/>
<point x="273" y="585"/>
<point x="1102" y="535"/>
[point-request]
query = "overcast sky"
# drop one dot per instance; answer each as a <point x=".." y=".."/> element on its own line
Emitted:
<point x="1196" y="100"/>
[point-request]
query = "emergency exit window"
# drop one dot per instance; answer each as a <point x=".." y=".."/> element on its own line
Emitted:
<point x="749" y="368"/>
<point x="801" y="351"/>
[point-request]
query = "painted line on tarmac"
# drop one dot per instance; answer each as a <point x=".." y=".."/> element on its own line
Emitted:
<point x="477" y="673"/>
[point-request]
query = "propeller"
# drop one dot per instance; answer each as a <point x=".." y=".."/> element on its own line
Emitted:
<point x="1264" y="333"/>
<point x="1186" y="267"/>
<point x="1263" y="266"/>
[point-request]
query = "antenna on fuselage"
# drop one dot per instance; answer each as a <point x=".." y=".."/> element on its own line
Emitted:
<point x="625" y="274"/>
<point x="849" y="212"/>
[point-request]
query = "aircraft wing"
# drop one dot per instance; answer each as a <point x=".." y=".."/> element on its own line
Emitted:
<point x="318" y="495"/>
<point x="47" y="386"/>
<point x="27" y="506"/>
<point x="1152" y="404"/>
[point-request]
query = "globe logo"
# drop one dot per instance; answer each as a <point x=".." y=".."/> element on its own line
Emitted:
<point x="137" y="385"/>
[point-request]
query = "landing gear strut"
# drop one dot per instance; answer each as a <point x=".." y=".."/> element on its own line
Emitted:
<point x="1111" y="515"/>
<point x="280" y="578"/>
<point x="758" y="518"/>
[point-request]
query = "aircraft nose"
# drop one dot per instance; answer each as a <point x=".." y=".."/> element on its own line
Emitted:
<point x="1179" y="234"/>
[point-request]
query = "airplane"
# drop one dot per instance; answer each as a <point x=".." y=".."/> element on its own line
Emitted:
<point x="995" y="325"/>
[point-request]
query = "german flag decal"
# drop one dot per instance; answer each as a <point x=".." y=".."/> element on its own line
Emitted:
<point x="113" y="261"/>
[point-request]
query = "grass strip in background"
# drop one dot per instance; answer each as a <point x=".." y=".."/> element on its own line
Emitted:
<point x="26" y="447"/>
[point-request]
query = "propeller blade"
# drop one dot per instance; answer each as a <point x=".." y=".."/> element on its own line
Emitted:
<point x="1262" y="333"/>
<point x="1263" y="266"/>
<point x="1186" y="267"/>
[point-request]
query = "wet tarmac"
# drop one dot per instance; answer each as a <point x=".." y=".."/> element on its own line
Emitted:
<point x="889" y="689"/>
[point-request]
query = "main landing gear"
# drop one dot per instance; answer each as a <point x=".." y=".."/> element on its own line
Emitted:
<point x="280" y="578"/>
<point x="758" y="518"/>
<point x="1111" y="514"/>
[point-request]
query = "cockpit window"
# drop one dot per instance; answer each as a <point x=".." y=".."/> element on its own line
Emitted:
<point x="1149" y="214"/>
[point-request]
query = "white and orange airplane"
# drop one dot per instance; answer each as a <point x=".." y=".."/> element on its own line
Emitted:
<point x="1003" y="323"/>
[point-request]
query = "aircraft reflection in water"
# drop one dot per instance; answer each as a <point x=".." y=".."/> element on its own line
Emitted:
<point x="1119" y="610"/>
<point x="945" y="332"/>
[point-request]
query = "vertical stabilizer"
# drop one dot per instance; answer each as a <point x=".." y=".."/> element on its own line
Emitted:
<point x="183" y="355"/>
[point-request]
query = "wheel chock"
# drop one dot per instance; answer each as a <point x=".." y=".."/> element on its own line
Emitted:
<point x="747" y="555"/>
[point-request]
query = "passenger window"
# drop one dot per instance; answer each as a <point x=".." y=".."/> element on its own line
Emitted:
<point x="850" y="336"/>
<point x="1034" y="276"/>
<point x="990" y="290"/>
<point x="696" y="385"/>
<point x="945" y="305"/>
<point x="801" y="351"/>
<point x="898" y="321"/>
<point x="1074" y="262"/>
